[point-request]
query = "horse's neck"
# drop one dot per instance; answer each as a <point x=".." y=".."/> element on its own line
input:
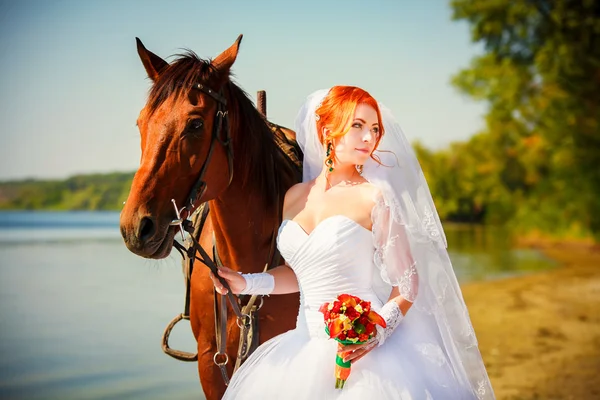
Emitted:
<point x="243" y="229"/>
<point x="243" y="226"/>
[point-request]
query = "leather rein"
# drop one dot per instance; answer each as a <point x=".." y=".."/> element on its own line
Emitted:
<point x="246" y="313"/>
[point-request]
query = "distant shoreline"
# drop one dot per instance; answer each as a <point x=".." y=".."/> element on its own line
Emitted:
<point x="90" y="192"/>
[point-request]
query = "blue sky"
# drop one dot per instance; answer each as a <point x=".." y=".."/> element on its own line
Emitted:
<point x="72" y="84"/>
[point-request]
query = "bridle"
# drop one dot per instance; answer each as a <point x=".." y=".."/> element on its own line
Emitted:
<point x="247" y="318"/>
<point x="220" y="123"/>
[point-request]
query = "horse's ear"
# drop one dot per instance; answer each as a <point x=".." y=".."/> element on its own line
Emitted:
<point x="225" y="60"/>
<point x="154" y="64"/>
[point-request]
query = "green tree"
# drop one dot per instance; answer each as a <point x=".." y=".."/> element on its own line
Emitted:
<point x="540" y="75"/>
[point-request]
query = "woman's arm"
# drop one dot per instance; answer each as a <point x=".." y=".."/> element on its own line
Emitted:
<point x="279" y="280"/>
<point x="394" y="251"/>
<point x="285" y="280"/>
<point x="393" y="313"/>
<point x="403" y="304"/>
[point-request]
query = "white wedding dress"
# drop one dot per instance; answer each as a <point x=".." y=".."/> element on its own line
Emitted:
<point x="337" y="257"/>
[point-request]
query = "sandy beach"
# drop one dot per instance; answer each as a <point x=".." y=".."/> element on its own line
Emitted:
<point x="540" y="334"/>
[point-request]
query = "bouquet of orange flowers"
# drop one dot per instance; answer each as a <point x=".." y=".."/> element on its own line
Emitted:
<point x="349" y="320"/>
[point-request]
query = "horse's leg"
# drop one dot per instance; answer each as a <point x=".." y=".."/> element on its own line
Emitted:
<point x="210" y="376"/>
<point x="203" y="327"/>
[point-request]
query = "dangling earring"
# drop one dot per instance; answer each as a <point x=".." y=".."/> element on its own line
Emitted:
<point x="359" y="169"/>
<point x="329" y="159"/>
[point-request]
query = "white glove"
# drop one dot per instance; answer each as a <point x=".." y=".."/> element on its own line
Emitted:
<point x="259" y="284"/>
<point x="392" y="316"/>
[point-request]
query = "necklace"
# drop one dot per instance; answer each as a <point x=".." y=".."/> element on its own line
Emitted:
<point x="346" y="181"/>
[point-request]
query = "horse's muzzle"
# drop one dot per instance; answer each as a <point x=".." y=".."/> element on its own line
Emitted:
<point x="147" y="238"/>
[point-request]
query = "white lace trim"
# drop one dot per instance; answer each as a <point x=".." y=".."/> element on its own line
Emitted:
<point x="405" y="282"/>
<point x="432" y="352"/>
<point x="429" y="225"/>
<point x="481" y="389"/>
<point x="379" y="249"/>
<point x="392" y="316"/>
<point x="469" y="333"/>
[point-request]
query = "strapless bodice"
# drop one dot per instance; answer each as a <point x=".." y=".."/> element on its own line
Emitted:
<point x="336" y="257"/>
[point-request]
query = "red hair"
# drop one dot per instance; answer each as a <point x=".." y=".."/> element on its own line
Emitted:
<point x="336" y="112"/>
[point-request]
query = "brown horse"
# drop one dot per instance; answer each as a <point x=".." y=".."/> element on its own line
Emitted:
<point x="175" y="127"/>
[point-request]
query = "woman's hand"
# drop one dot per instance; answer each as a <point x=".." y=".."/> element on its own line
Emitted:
<point x="354" y="352"/>
<point x="236" y="281"/>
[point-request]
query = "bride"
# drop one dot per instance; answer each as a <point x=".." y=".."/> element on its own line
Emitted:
<point x="362" y="222"/>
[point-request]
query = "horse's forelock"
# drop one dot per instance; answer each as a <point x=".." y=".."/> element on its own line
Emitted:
<point x="179" y="77"/>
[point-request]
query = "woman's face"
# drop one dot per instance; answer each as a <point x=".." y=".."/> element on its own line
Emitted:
<point x="356" y="146"/>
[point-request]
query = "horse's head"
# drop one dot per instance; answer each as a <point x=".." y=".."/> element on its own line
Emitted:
<point x="182" y="146"/>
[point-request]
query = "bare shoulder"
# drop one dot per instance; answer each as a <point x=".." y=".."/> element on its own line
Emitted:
<point x="370" y="193"/>
<point x="297" y="191"/>
<point x="295" y="196"/>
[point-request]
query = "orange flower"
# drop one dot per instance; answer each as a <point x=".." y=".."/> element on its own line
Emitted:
<point x="348" y="299"/>
<point x="338" y="325"/>
<point x="376" y="319"/>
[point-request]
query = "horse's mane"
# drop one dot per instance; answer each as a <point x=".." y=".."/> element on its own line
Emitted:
<point x="257" y="156"/>
<point x="178" y="78"/>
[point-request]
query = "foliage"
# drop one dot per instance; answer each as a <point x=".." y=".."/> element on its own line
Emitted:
<point x="536" y="165"/>
<point x="80" y="192"/>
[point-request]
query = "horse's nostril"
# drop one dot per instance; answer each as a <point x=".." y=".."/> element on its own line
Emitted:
<point x="146" y="229"/>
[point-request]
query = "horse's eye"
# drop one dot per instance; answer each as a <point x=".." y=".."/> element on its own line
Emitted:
<point x="195" y="125"/>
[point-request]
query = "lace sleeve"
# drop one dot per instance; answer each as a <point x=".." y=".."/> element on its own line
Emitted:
<point x="392" y="254"/>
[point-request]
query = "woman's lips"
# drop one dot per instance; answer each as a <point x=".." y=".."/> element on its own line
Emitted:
<point x="365" y="151"/>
